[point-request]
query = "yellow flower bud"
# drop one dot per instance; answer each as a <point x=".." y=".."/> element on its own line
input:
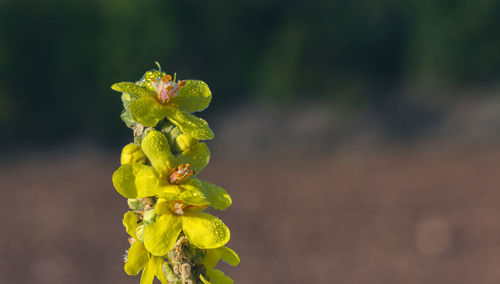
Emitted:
<point x="132" y="153"/>
<point x="185" y="142"/>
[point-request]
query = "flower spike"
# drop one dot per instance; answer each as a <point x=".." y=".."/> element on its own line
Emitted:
<point x="172" y="236"/>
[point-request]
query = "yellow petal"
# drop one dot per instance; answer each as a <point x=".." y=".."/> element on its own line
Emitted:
<point x="133" y="89"/>
<point x="160" y="236"/>
<point x="136" y="181"/>
<point x="137" y="258"/>
<point x="163" y="205"/>
<point x="190" y="124"/>
<point x="204" y="230"/>
<point x="193" y="197"/>
<point x="147" y="111"/>
<point x="193" y="96"/>
<point x="216" y="195"/>
<point x="230" y="256"/>
<point x="148" y="275"/>
<point x="205" y="281"/>
<point x="213" y="256"/>
<point x="218" y="277"/>
<point x="130" y="221"/>
<point x="157" y="263"/>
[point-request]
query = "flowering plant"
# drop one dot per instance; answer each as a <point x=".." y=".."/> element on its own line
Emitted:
<point x="172" y="237"/>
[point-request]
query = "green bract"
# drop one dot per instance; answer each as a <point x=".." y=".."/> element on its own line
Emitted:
<point x="148" y="109"/>
<point x="172" y="238"/>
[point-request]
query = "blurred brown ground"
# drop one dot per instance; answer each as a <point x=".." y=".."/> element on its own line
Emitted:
<point x="426" y="213"/>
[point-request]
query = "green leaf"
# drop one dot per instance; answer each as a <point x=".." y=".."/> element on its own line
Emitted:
<point x="216" y="195"/>
<point x="160" y="236"/>
<point x="137" y="258"/>
<point x="147" y="111"/>
<point x="157" y="149"/>
<point x="136" y="181"/>
<point x="126" y="99"/>
<point x="218" y="277"/>
<point x="130" y="221"/>
<point x="133" y="89"/>
<point x="148" y="275"/>
<point x="194" y="96"/>
<point x="128" y="119"/>
<point x="197" y="156"/>
<point x="204" y="230"/>
<point x="190" y="124"/>
<point x="126" y="116"/>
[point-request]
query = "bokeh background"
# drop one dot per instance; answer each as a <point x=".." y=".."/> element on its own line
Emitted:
<point x="359" y="139"/>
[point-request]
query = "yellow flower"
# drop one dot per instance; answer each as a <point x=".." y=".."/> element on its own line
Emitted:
<point x="138" y="258"/>
<point x="157" y="96"/>
<point x="167" y="173"/>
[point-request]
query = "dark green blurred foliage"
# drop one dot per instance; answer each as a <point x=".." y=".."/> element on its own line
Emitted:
<point x="58" y="58"/>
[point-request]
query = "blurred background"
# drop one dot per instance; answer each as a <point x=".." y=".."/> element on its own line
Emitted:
<point x="358" y="139"/>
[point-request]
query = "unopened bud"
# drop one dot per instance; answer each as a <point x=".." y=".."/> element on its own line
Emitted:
<point x="185" y="142"/>
<point x="185" y="271"/>
<point x="132" y="153"/>
<point x="169" y="274"/>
